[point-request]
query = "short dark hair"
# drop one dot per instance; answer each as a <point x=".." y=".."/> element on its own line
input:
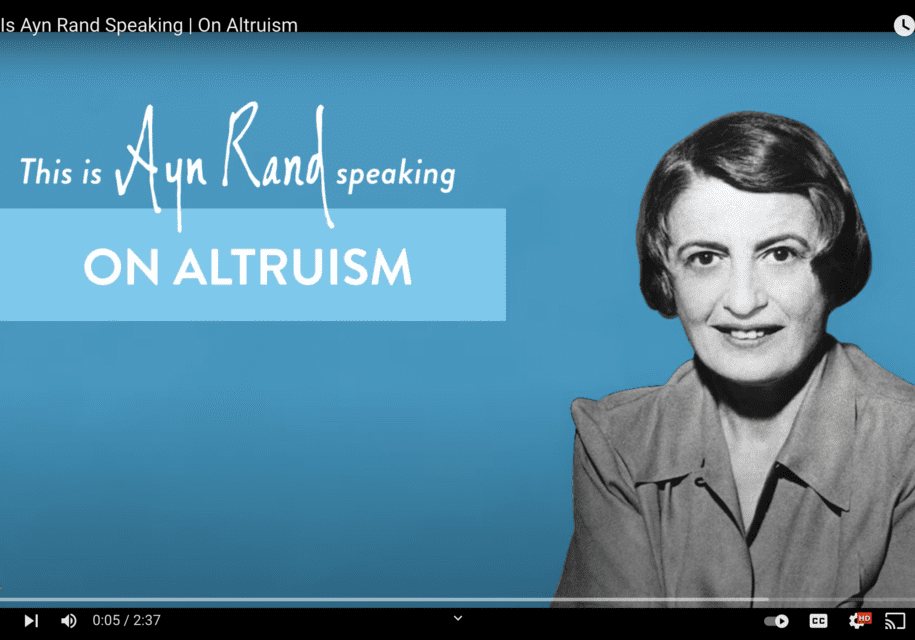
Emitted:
<point x="760" y="153"/>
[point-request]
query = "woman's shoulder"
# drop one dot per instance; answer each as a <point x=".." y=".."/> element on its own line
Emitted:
<point x="884" y="415"/>
<point x="874" y="383"/>
<point x="883" y="407"/>
<point x="883" y="458"/>
<point x="624" y="402"/>
<point x="630" y="420"/>
<point x="585" y="409"/>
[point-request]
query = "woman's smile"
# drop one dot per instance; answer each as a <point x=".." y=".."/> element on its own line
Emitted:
<point x="748" y="338"/>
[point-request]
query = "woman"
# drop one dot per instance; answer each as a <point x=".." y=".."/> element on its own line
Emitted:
<point x="778" y="463"/>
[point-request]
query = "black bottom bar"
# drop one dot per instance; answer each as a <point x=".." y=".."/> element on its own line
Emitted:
<point x="153" y="620"/>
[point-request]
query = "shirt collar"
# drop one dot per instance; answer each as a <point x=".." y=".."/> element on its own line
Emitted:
<point x="687" y="437"/>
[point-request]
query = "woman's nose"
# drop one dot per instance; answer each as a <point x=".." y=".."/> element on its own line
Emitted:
<point x="746" y="292"/>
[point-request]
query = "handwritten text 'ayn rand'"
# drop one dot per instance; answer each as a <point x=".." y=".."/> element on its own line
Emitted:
<point x="195" y="167"/>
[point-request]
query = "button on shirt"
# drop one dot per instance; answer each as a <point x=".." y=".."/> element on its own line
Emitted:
<point x="657" y="514"/>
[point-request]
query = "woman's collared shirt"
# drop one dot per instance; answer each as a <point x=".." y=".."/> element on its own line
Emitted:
<point x="657" y="514"/>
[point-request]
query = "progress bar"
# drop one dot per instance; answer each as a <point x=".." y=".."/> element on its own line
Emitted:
<point x="383" y="599"/>
<point x="633" y="600"/>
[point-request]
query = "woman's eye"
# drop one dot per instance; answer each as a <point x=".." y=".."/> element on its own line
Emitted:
<point x="703" y="258"/>
<point x="783" y="254"/>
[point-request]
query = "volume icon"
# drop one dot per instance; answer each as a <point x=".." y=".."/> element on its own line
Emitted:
<point x="68" y="620"/>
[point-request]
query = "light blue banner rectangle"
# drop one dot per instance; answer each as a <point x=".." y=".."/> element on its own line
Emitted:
<point x="412" y="264"/>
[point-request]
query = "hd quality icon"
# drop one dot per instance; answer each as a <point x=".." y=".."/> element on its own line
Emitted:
<point x="858" y="620"/>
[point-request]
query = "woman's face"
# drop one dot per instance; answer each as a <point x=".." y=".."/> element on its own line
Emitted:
<point x="745" y="291"/>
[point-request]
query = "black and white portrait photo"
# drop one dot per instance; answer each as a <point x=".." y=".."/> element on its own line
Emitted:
<point x="777" y="464"/>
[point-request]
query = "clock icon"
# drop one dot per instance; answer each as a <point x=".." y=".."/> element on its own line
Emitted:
<point x="904" y="25"/>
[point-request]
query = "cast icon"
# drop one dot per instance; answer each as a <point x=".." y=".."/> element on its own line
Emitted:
<point x="894" y="621"/>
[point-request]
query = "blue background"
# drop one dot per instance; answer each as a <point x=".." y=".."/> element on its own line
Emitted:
<point x="387" y="459"/>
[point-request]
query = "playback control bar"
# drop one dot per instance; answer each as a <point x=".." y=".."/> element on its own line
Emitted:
<point x="149" y="620"/>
